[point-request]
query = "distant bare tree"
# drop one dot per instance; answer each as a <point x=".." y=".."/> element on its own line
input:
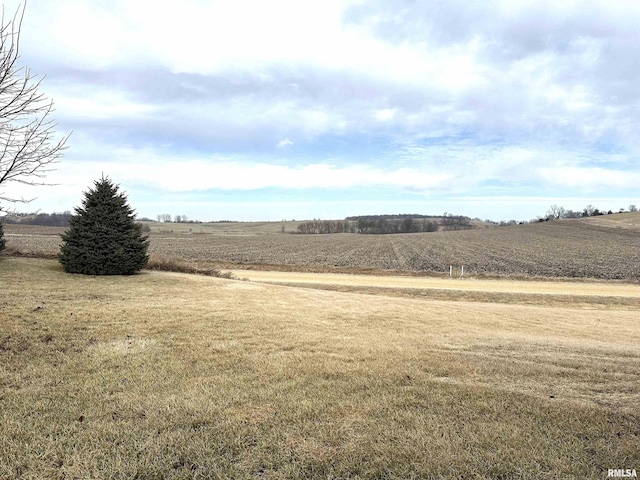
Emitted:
<point x="589" y="211"/>
<point x="164" y="217"/>
<point x="572" y="214"/>
<point x="633" y="208"/>
<point x="27" y="149"/>
<point x="556" y="212"/>
<point x="179" y="219"/>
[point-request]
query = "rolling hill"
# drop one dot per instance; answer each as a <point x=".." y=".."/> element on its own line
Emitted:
<point x="605" y="247"/>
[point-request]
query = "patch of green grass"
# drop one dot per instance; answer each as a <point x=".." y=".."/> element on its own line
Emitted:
<point x="161" y="375"/>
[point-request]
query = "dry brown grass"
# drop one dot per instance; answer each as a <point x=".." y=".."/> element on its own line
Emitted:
<point x="172" y="265"/>
<point x="165" y="375"/>
<point x="542" y="293"/>
<point x="464" y="284"/>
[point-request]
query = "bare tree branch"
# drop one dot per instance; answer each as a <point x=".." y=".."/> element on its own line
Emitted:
<point x="28" y="150"/>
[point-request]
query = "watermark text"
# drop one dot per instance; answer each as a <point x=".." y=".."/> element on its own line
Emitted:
<point x="622" y="473"/>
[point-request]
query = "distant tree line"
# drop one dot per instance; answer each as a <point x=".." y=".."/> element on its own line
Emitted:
<point x="382" y="225"/>
<point x="167" y="218"/>
<point x="557" y="212"/>
<point x="374" y="224"/>
<point x="386" y="224"/>
<point x="45" y="219"/>
<point x="323" y="226"/>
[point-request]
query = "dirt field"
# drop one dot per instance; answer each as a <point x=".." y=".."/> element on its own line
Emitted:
<point x="600" y="248"/>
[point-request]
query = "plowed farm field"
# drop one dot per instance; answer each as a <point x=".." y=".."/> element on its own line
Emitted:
<point x="567" y="248"/>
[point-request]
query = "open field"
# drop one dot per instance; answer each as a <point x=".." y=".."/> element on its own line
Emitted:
<point x="619" y="220"/>
<point x="226" y="228"/>
<point x="598" y="247"/>
<point x="166" y="375"/>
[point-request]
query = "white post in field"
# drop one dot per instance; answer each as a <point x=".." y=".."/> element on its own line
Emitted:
<point x="462" y="270"/>
<point x="451" y="270"/>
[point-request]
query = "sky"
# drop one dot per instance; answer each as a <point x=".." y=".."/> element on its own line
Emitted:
<point x="287" y="109"/>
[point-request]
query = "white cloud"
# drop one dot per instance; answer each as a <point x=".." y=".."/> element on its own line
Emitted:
<point x="590" y="178"/>
<point x="103" y="105"/>
<point x="423" y="170"/>
<point x="421" y="97"/>
<point x="285" y="142"/>
<point x="193" y="175"/>
<point x="385" y="114"/>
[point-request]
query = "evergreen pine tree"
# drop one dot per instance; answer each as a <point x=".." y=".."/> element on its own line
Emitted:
<point x="103" y="238"/>
<point x="2" y="240"/>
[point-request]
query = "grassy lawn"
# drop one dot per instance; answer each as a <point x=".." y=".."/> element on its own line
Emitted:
<point x="165" y="375"/>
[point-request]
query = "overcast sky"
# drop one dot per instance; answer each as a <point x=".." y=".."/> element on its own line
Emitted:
<point x="269" y="110"/>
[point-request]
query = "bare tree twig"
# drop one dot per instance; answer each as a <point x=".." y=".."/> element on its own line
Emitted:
<point x="28" y="150"/>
